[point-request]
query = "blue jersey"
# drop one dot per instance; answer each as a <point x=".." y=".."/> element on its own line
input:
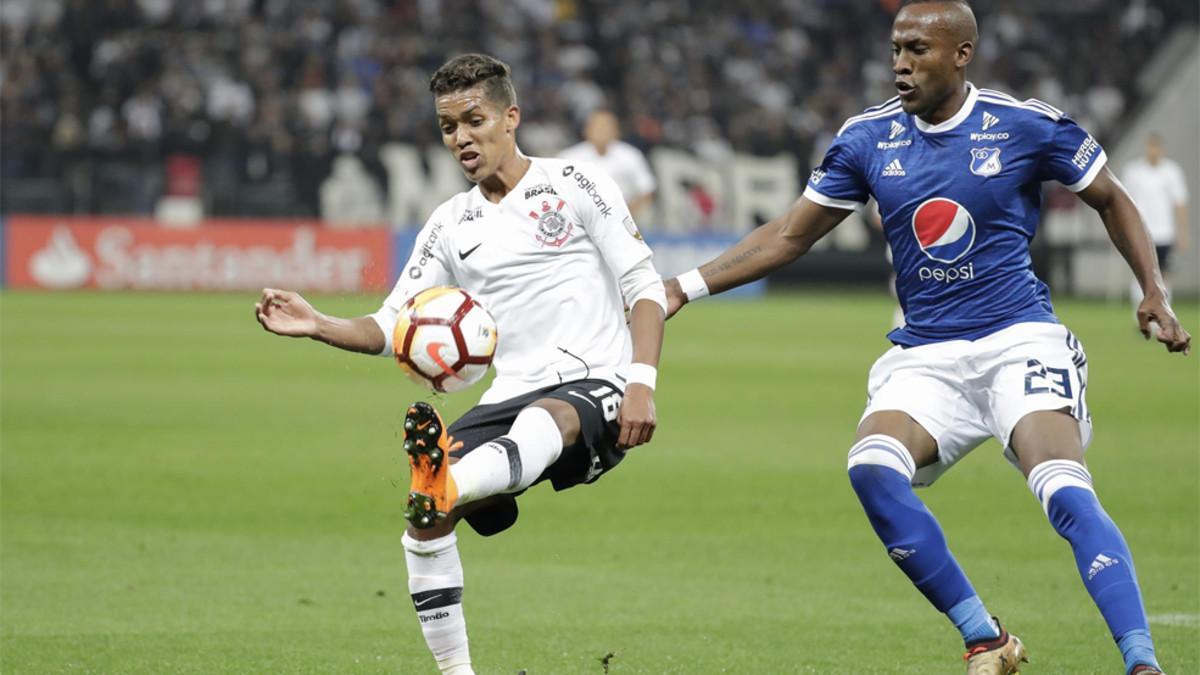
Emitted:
<point x="960" y="202"/>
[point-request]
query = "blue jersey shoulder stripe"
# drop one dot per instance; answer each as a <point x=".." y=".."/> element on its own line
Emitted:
<point x="887" y="111"/>
<point x="875" y="108"/>
<point x="1029" y="101"/>
<point x="1012" y="103"/>
<point x="998" y="94"/>
<point x="1047" y="106"/>
<point x="993" y="96"/>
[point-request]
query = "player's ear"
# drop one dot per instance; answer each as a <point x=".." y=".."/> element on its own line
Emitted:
<point x="512" y="118"/>
<point x="964" y="53"/>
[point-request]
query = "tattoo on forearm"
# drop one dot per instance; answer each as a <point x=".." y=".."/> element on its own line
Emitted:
<point x="732" y="262"/>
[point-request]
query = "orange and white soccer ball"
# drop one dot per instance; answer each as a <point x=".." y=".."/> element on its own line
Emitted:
<point x="444" y="339"/>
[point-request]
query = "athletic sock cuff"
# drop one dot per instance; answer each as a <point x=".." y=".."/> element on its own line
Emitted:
<point x="1049" y="477"/>
<point x="882" y="450"/>
<point x="428" y="547"/>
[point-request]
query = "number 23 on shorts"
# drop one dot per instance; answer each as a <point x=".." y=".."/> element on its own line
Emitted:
<point x="1040" y="379"/>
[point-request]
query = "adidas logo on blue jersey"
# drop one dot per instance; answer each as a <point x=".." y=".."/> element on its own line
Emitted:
<point x="894" y="169"/>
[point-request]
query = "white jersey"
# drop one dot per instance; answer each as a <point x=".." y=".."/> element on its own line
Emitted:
<point x="624" y="163"/>
<point x="1156" y="189"/>
<point x="545" y="262"/>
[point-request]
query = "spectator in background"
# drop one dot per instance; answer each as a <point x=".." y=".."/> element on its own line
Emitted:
<point x="626" y="164"/>
<point x="1157" y="186"/>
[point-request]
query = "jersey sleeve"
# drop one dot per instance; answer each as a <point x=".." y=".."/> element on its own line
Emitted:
<point x="839" y="181"/>
<point x="426" y="268"/>
<point x="608" y="222"/>
<point x="1071" y="157"/>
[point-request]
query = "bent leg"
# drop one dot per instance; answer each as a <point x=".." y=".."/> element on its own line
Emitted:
<point x="891" y="446"/>
<point x="514" y="461"/>
<point x="1050" y="454"/>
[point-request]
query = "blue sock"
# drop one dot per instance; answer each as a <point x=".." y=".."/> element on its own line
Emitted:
<point x="1137" y="648"/>
<point x="1101" y="554"/>
<point x="971" y="619"/>
<point x="881" y="473"/>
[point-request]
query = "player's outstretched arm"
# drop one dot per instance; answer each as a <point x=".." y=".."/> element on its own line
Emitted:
<point x="766" y="249"/>
<point x="1129" y="235"/>
<point x="288" y="313"/>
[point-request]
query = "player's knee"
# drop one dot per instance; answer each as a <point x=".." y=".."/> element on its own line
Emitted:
<point x="1047" y="435"/>
<point x="880" y="451"/>
<point x="565" y="417"/>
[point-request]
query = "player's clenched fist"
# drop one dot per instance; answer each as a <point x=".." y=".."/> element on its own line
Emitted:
<point x="286" y="313"/>
<point x="636" y="416"/>
<point x="1155" y="309"/>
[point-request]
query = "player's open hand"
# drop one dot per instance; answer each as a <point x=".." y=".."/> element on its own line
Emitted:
<point x="1156" y="309"/>
<point x="636" y="416"/>
<point x="286" y="313"/>
<point x="675" y="297"/>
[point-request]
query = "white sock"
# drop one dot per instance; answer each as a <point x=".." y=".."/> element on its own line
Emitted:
<point x="511" y="462"/>
<point x="435" y="580"/>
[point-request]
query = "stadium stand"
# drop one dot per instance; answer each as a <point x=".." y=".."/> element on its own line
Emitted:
<point x="108" y="104"/>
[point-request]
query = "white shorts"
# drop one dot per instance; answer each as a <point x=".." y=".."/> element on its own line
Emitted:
<point x="964" y="392"/>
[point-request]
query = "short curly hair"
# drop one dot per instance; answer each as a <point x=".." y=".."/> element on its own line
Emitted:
<point x="468" y="70"/>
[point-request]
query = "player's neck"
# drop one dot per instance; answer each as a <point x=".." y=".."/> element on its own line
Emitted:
<point x="511" y="171"/>
<point x="953" y="103"/>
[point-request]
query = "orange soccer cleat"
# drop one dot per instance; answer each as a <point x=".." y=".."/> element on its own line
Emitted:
<point x="433" y="493"/>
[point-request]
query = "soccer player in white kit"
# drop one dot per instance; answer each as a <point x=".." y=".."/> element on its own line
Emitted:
<point x="1156" y="184"/>
<point x="549" y="248"/>
<point x="626" y="165"/>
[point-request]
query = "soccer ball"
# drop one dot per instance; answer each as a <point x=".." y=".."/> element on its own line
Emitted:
<point x="444" y="339"/>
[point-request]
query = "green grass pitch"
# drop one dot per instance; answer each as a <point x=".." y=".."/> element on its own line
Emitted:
<point x="183" y="493"/>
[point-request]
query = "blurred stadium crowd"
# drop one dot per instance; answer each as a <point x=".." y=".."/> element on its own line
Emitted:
<point x="96" y="95"/>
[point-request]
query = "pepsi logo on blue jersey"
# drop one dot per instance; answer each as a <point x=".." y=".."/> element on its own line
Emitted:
<point x="944" y="229"/>
<point x="960" y="202"/>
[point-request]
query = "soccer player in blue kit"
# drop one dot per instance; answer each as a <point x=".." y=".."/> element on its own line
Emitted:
<point x="957" y="173"/>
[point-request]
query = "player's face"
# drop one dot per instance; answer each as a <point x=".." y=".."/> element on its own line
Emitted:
<point x="477" y="131"/>
<point x="1154" y="150"/>
<point x="602" y="129"/>
<point x="926" y="59"/>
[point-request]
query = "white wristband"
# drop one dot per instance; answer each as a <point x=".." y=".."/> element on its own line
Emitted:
<point x="692" y="284"/>
<point x="643" y="373"/>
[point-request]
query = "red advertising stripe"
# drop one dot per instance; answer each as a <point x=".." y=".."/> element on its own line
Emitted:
<point x="60" y="252"/>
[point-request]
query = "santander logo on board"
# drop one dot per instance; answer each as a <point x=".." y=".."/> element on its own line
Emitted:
<point x="61" y="264"/>
<point x="945" y="231"/>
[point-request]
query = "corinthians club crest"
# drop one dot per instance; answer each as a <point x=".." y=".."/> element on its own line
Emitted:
<point x="553" y="228"/>
<point x="985" y="161"/>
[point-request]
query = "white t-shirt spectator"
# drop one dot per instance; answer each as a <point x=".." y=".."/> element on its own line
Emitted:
<point x="625" y="164"/>
<point x="1157" y="189"/>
